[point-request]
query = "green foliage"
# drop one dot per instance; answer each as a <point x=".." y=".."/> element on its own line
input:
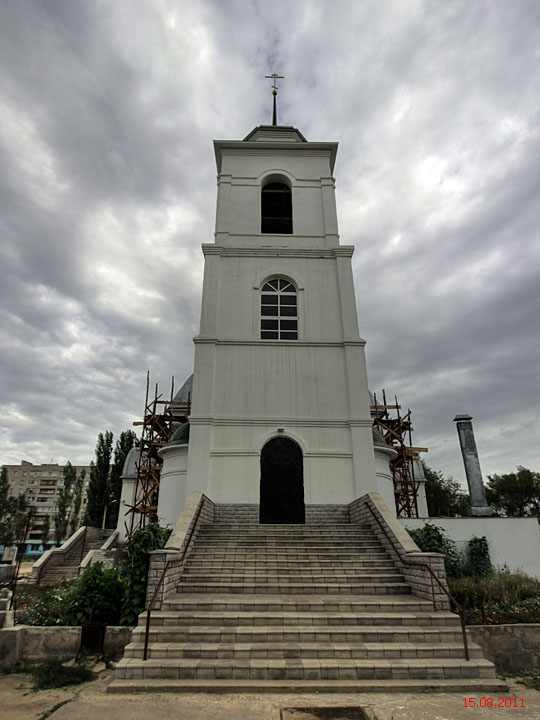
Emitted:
<point x="43" y="606"/>
<point x="478" y="558"/>
<point x="45" y="530"/>
<point x="135" y="569"/>
<point x="431" y="538"/>
<point x="445" y="497"/>
<point x="63" y="503"/>
<point x="98" y="487"/>
<point x="126" y="441"/>
<point x="499" y="598"/>
<point x="77" y="500"/>
<point x="96" y="597"/>
<point x="53" y="674"/>
<point x="515" y="494"/>
<point x="13" y="512"/>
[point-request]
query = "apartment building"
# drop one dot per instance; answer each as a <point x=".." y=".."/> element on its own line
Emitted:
<point x="40" y="484"/>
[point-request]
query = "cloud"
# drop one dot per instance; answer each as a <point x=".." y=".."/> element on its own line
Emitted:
<point x="107" y="191"/>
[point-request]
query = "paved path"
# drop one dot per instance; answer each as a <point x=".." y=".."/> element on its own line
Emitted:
<point x="91" y="702"/>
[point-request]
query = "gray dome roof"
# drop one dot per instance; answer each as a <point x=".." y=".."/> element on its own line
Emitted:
<point x="131" y="462"/>
<point x="180" y="436"/>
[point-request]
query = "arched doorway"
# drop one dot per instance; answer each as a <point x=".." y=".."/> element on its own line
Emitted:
<point x="282" y="483"/>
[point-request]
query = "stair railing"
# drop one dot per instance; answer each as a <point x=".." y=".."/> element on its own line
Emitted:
<point x="168" y="565"/>
<point x="434" y="576"/>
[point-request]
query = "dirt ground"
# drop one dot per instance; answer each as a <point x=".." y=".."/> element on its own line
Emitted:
<point x="91" y="702"/>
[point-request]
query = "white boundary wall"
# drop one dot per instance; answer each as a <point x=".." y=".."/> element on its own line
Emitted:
<point x="514" y="542"/>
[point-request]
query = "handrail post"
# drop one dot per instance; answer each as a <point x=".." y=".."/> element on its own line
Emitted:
<point x="426" y="566"/>
<point x="168" y="564"/>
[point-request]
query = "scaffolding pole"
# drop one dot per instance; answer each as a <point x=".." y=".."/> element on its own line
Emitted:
<point x="160" y="419"/>
<point x="397" y="430"/>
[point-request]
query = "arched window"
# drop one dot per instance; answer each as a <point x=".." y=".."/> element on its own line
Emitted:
<point x="276" y="208"/>
<point x="279" y="311"/>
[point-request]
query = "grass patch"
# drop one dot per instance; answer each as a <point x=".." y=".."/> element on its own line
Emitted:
<point x="529" y="678"/>
<point x="53" y="674"/>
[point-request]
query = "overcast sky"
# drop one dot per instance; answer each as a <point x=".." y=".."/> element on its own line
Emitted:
<point x="107" y="190"/>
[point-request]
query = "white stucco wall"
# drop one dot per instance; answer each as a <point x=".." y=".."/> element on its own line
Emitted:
<point x="514" y="542"/>
<point x="314" y="389"/>
<point x="172" y="483"/>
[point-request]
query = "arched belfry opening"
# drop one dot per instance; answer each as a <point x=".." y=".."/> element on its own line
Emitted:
<point x="282" y="483"/>
<point x="276" y="208"/>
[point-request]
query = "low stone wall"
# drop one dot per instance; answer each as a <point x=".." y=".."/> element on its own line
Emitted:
<point x="402" y="549"/>
<point x="509" y="647"/>
<point x="33" y="644"/>
<point x="190" y="518"/>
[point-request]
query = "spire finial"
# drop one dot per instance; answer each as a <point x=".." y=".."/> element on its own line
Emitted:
<point x="274" y="77"/>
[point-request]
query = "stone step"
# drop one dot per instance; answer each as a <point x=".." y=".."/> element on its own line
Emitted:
<point x="317" y="620"/>
<point x="305" y="669"/>
<point x="306" y="575"/>
<point x="466" y="686"/>
<point x="307" y="587"/>
<point x="285" y="554"/>
<point x="298" y="634"/>
<point x="297" y="603"/>
<point x="317" y="526"/>
<point x="200" y="564"/>
<point x="210" y="545"/>
<point x="276" y="651"/>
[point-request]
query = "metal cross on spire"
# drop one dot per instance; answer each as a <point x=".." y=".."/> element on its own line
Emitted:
<point x="274" y="77"/>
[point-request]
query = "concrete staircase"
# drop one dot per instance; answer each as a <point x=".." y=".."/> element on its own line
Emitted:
<point x="297" y="608"/>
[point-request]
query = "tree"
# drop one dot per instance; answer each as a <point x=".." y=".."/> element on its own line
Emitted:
<point x="63" y="503"/>
<point x="45" y="529"/>
<point x="126" y="441"/>
<point x="98" y="487"/>
<point x="77" y="500"/>
<point x="515" y="494"/>
<point x="13" y="512"/>
<point x="445" y="497"/>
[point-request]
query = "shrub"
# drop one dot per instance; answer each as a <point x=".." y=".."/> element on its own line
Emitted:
<point x="135" y="569"/>
<point x="431" y="538"/>
<point x="478" y="559"/>
<point x="43" y="606"/>
<point x="95" y="597"/>
<point x="502" y="597"/>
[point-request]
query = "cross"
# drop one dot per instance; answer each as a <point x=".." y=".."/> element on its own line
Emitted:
<point x="274" y="77"/>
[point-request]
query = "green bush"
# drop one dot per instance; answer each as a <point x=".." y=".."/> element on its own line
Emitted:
<point x="43" y="606"/>
<point x="99" y="595"/>
<point x="134" y="570"/>
<point x="502" y="597"/>
<point x="431" y="538"/>
<point x="478" y="559"/>
<point x="95" y="597"/>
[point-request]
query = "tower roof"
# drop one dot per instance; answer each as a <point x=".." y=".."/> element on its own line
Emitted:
<point x="269" y="138"/>
<point x="279" y="133"/>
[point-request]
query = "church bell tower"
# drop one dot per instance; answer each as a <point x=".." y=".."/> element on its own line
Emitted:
<point x="281" y="409"/>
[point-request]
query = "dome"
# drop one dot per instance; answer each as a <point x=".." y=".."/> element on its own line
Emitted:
<point x="180" y="436"/>
<point x="131" y="462"/>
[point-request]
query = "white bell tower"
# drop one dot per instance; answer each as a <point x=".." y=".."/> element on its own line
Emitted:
<point x="279" y="355"/>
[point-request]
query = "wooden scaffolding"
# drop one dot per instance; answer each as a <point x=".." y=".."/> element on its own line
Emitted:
<point x="160" y="420"/>
<point x="397" y="430"/>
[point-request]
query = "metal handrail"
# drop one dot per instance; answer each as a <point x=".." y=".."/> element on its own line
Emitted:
<point x="168" y="565"/>
<point x="434" y="576"/>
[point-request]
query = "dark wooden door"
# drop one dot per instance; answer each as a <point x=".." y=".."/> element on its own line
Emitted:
<point x="282" y="483"/>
